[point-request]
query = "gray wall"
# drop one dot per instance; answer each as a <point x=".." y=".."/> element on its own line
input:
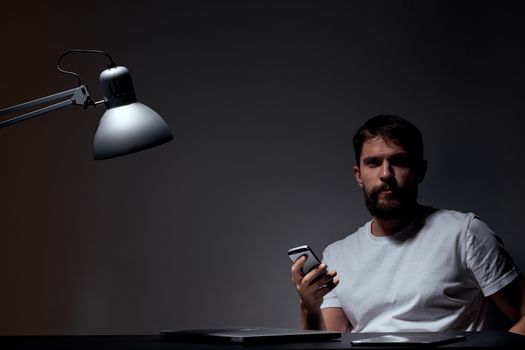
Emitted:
<point x="263" y="98"/>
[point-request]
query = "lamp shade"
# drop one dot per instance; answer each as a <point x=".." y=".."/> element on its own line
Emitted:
<point x="127" y="126"/>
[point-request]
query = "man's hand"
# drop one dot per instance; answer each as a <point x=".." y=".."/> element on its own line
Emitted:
<point x="312" y="287"/>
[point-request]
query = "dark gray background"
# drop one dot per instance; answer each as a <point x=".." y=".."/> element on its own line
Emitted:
<point x="263" y="98"/>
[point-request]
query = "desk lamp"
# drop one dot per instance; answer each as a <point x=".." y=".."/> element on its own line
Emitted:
<point x="127" y="126"/>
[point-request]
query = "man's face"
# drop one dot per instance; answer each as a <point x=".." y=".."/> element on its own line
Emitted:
<point x="389" y="178"/>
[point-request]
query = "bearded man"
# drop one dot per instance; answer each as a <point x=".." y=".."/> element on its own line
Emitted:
<point x="411" y="267"/>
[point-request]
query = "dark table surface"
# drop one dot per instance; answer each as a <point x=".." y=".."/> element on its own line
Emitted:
<point x="474" y="340"/>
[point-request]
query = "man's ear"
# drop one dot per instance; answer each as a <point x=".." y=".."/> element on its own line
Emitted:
<point x="422" y="170"/>
<point x="357" y="174"/>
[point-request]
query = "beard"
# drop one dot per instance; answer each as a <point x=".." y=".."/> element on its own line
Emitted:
<point x="390" y="206"/>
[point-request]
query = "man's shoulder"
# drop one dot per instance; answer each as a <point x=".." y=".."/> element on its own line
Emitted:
<point x="347" y="240"/>
<point x="447" y="219"/>
<point x="449" y="215"/>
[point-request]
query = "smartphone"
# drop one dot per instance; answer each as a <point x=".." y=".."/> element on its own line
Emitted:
<point x="311" y="259"/>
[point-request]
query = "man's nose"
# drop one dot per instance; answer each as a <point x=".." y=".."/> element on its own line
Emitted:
<point x="387" y="172"/>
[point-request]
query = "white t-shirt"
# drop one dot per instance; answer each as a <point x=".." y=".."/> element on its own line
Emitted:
<point x="431" y="276"/>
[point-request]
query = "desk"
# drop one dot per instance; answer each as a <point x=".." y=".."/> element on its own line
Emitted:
<point x="475" y="340"/>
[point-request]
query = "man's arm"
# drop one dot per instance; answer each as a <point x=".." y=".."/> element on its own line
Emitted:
<point x="335" y="320"/>
<point x="511" y="301"/>
<point x="312" y="288"/>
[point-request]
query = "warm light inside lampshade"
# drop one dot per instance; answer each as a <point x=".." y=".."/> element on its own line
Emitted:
<point x="127" y="129"/>
<point x="127" y="126"/>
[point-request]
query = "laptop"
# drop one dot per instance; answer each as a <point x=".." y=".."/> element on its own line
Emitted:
<point x="249" y="335"/>
<point x="419" y="339"/>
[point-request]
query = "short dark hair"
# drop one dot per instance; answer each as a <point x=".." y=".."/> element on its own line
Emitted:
<point x="394" y="128"/>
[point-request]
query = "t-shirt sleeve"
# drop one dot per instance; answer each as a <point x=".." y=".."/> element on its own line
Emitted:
<point x="330" y="299"/>
<point x="486" y="258"/>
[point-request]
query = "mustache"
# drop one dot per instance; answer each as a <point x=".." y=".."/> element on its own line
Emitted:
<point x="385" y="187"/>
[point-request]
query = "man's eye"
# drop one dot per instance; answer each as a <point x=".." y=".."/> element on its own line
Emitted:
<point x="401" y="162"/>
<point x="373" y="163"/>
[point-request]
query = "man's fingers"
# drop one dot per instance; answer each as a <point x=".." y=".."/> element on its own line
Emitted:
<point x="326" y="288"/>
<point x="315" y="274"/>
<point x="297" y="275"/>
<point x="326" y="278"/>
<point x="298" y="264"/>
<point x="317" y="282"/>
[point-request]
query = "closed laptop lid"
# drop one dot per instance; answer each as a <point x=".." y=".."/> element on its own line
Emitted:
<point x="249" y="334"/>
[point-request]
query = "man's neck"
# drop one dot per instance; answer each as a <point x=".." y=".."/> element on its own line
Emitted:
<point x="386" y="227"/>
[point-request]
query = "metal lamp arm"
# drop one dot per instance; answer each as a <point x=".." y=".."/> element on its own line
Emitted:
<point x="76" y="96"/>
